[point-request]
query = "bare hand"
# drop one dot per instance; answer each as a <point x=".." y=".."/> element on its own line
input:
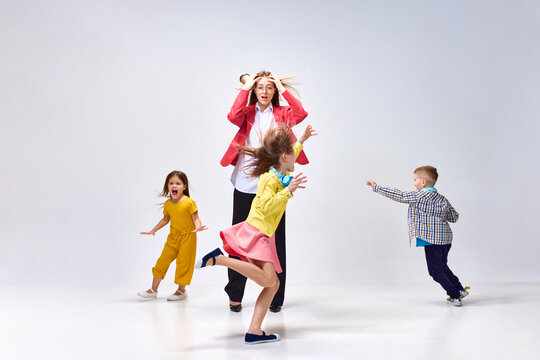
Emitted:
<point x="200" y="228"/>
<point x="309" y="132"/>
<point x="371" y="183"/>
<point x="148" y="233"/>
<point x="273" y="78"/>
<point x="250" y="81"/>
<point x="296" y="182"/>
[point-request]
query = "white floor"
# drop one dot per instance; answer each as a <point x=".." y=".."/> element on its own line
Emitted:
<point x="497" y="321"/>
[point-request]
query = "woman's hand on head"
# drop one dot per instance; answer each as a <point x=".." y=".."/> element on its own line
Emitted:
<point x="250" y="82"/>
<point x="273" y="78"/>
<point x="296" y="182"/>
<point x="309" y="132"/>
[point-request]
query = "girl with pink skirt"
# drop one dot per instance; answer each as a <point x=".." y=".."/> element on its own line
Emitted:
<point x="253" y="240"/>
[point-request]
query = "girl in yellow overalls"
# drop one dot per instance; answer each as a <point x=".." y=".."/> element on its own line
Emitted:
<point x="182" y="240"/>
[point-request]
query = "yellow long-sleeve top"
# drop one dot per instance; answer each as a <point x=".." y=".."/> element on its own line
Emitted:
<point x="271" y="200"/>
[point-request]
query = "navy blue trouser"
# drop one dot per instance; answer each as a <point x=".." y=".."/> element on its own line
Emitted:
<point x="437" y="258"/>
<point x="237" y="282"/>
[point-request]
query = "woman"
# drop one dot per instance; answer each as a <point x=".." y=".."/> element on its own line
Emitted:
<point x="262" y="113"/>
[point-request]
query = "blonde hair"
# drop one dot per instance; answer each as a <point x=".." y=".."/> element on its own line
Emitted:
<point x="428" y="173"/>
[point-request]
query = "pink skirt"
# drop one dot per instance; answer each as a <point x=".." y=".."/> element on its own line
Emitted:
<point x="248" y="242"/>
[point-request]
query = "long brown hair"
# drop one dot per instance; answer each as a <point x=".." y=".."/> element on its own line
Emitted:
<point x="182" y="176"/>
<point x="277" y="141"/>
<point x="275" y="99"/>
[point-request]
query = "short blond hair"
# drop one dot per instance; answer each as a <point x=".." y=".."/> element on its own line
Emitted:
<point x="428" y="173"/>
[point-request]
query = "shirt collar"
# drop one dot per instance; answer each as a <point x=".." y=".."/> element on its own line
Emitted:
<point x="429" y="188"/>
<point x="258" y="108"/>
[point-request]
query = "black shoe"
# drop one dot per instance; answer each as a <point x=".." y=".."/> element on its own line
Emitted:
<point x="235" y="308"/>
<point x="275" y="308"/>
<point x="251" y="339"/>
<point x="211" y="255"/>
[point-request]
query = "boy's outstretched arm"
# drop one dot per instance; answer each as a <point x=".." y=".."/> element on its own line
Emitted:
<point x="407" y="197"/>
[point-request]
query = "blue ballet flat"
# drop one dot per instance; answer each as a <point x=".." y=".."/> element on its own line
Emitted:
<point x="252" y="339"/>
<point x="211" y="255"/>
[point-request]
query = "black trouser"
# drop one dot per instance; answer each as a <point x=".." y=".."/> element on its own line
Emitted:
<point x="437" y="258"/>
<point x="237" y="282"/>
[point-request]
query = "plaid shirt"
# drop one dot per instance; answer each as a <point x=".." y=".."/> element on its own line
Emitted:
<point x="428" y="215"/>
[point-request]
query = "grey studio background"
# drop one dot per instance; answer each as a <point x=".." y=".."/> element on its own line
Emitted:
<point x="100" y="100"/>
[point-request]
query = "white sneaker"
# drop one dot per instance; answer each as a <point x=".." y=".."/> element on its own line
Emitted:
<point x="462" y="293"/>
<point x="147" y="295"/>
<point x="176" y="296"/>
<point x="455" y="302"/>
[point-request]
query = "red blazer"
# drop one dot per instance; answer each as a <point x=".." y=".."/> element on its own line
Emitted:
<point x="243" y="116"/>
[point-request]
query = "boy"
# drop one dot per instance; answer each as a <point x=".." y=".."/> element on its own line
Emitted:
<point x="428" y="217"/>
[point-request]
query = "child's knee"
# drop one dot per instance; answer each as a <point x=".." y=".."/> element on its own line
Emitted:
<point x="276" y="285"/>
<point x="271" y="281"/>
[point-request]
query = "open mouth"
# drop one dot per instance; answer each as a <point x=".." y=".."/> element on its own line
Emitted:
<point x="174" y="192"/>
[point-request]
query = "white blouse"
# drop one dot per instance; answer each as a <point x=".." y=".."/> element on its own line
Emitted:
<point x="264" y="121"/>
